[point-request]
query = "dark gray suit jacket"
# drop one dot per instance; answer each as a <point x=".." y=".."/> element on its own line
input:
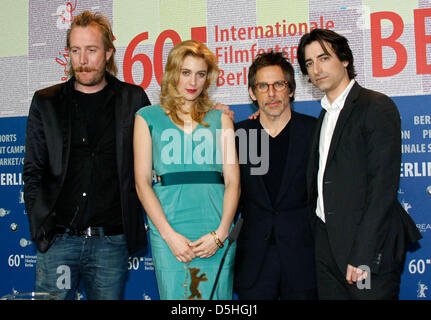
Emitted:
<point x="364" y="219"/>
<point x="287" y="218"/>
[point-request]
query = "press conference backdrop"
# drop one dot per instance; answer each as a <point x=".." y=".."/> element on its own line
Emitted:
<point x="391" y="42"/>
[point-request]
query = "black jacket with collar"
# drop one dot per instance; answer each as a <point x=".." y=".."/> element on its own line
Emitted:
<point x="47" y="155"/>
<point x="364" y="220"/>
<point x="286" y="220"/>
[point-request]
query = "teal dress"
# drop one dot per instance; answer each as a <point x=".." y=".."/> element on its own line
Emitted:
<point x="192" y="209"/>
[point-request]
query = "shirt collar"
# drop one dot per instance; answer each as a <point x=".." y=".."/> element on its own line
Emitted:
<point x="338" y="104"/>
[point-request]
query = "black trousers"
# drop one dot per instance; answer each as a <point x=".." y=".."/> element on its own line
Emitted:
<point x="271" y="283"/>
<point x="332" y="283"/>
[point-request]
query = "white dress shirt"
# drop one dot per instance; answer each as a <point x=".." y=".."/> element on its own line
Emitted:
<point x="327" y="130"/>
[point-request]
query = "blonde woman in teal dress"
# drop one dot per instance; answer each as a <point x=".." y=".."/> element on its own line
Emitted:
<point x="191" y="148"/>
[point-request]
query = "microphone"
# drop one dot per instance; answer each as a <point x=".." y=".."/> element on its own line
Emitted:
<point x="232" y="237"/>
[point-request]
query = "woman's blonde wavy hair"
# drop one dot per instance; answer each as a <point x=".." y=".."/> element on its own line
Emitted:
<point x="170" y="99"/>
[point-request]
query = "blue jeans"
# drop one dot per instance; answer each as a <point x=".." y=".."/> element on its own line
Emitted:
<point x="101" y="263"/>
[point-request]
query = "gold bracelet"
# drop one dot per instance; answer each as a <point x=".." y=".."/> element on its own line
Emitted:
<point x="217" y="240"/>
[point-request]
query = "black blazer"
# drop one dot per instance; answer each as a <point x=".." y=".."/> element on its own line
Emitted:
<point x="47" y="155"/>
<point x="364" y="219"/>
<point x="287" y="217"/>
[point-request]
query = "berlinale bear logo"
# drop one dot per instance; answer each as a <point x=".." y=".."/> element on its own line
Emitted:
<point x="195" y="293"/>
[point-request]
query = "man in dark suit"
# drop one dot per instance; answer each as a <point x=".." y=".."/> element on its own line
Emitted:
<point x="84" y="213"/>
<point x="275" y="254"/>
<point x="361" y="231"/>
